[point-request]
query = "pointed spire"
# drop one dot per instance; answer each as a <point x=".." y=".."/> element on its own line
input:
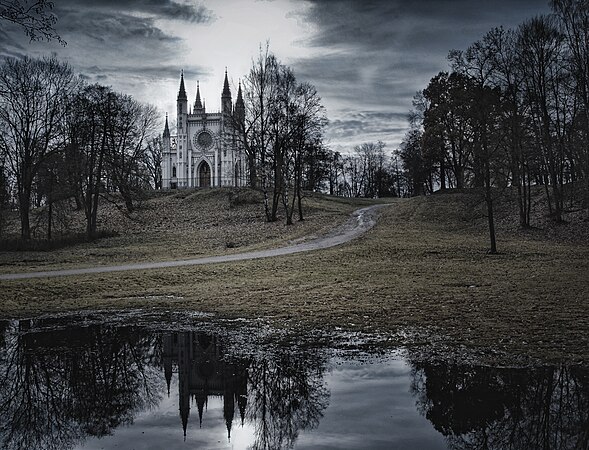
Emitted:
<point x="167" y="135"/>
<point x="239" y="94"/>
<point x="197" y="103"/>
<point x="182" y="91"/>
<point x="226" y="91"/>
<point x="239" y="105"/>
<point x="200" y="403"/>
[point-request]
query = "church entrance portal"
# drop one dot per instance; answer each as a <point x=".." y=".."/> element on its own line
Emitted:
<point x="204" y="175"/>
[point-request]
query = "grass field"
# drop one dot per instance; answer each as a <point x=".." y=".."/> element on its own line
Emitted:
<point x="422" y="278"/>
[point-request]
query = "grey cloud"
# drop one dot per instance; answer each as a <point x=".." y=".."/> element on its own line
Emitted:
<point x="379" y="24"/>
<point x="114" y="28"/>
<point x="352" y="128"/>
<point x="164" y="9"/>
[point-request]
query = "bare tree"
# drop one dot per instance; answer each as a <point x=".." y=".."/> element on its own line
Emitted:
<point x="541" y="50"/>
<point x="87" y="147"/>
<point x="130" y="126"/>
<point x="153" y="160"/>
<point x="33" y="99"/>
<point x="35" y="17"/>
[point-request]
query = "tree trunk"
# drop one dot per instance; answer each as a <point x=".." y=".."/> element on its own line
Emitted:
<point x="24" y="204"/>
<point x="443" y="173"/>
<point x="489" y="201"/>
<point x="49" y="219"/>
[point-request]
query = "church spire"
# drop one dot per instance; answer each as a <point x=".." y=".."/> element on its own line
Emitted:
<point x="167" y="135"/>
<point x="226" y="92"/>
<point x="240" y="105"/>
<point x="182" y="91"/>
<point x="226" y="104"/>
<point x="197" y="103"/>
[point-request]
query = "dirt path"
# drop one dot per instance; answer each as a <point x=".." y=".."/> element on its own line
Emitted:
<point x="360" y="221"/>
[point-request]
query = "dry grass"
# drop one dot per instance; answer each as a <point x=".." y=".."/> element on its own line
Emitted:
<point x="422" y="276"/>
<point x="181" y="224"/>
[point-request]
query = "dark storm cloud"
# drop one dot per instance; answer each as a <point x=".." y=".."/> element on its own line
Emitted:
<point x="163" y="9"/>
<point x="152" y="72"/>
<point x="378" y="24"/>
<point x="378" y="54"/>
<point x="115" y="29"/>
<point x="369" y="125"/>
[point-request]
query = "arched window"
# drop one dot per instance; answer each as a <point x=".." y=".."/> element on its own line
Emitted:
<point x="174" y="172"/>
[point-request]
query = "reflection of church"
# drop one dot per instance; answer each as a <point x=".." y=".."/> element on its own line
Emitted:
<point x="205" y="150"/>
<point x="198" y="360"/>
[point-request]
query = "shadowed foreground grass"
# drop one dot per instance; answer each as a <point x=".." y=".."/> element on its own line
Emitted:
<point x="422" y="276"/>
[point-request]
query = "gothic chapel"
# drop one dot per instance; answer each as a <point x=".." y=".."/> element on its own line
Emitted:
<point x="205" y="151"/>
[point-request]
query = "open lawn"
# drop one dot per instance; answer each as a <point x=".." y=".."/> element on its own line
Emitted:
<point x="422" y="277"/>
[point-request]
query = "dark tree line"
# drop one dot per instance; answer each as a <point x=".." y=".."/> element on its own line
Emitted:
<point x="65" y="142"/>
<point x="513" y="111"/>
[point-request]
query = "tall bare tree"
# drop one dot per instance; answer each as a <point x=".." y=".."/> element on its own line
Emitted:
<point x="153" y="160"/>
<point x="33" y="102"/>
<point x="130" y="126"/>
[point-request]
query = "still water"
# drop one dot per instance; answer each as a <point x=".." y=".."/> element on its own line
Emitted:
<point x="134" y="381"/>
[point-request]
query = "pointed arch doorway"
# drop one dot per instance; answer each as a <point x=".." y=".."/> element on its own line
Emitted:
<point x="204" y="175"/>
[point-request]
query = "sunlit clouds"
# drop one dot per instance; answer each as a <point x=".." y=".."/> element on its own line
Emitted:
<point x="366" y="58"/>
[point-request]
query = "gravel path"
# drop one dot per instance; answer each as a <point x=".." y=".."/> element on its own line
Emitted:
<point x="360" y="221"/>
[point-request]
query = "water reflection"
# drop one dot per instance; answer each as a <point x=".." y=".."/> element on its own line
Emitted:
<point x="491" y="408"/>
<point x="59" y="386"/>
<point x="65" y="382"/>
<point x="63" y="385"/>
<point x="278" y="392"/>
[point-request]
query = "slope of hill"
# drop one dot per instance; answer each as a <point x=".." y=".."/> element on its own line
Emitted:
<point x="180" y="224"/>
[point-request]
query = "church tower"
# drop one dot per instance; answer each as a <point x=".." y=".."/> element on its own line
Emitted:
<point x="198" y="106"/>
<point x="226" y="103"/>
<point x="239" y="106"/>
<point x="205" y="150"/>
<point x="182" y="105"/>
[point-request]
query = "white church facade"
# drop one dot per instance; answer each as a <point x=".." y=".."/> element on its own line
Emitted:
<point x="205" y="151"/>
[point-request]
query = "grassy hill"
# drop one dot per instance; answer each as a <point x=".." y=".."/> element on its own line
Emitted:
<point x="175" y="225"/>
<point x="422" y="277"/>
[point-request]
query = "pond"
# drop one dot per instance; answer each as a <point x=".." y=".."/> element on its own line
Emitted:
<point x="137" y="380"/>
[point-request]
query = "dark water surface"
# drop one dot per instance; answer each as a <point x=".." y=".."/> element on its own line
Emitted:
<point x="134" y="381"/>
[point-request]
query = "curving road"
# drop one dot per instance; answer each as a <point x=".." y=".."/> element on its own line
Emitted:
<point x="360" y="221"/>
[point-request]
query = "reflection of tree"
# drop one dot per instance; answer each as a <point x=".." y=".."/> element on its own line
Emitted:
<point x="60" y="383"/>
<point x="287" y="395"/>
<point x="490" y="408"/>
<point x="58" y="386"/>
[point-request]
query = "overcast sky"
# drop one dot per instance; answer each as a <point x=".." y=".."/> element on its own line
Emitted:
<point x="367" y="58"/>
